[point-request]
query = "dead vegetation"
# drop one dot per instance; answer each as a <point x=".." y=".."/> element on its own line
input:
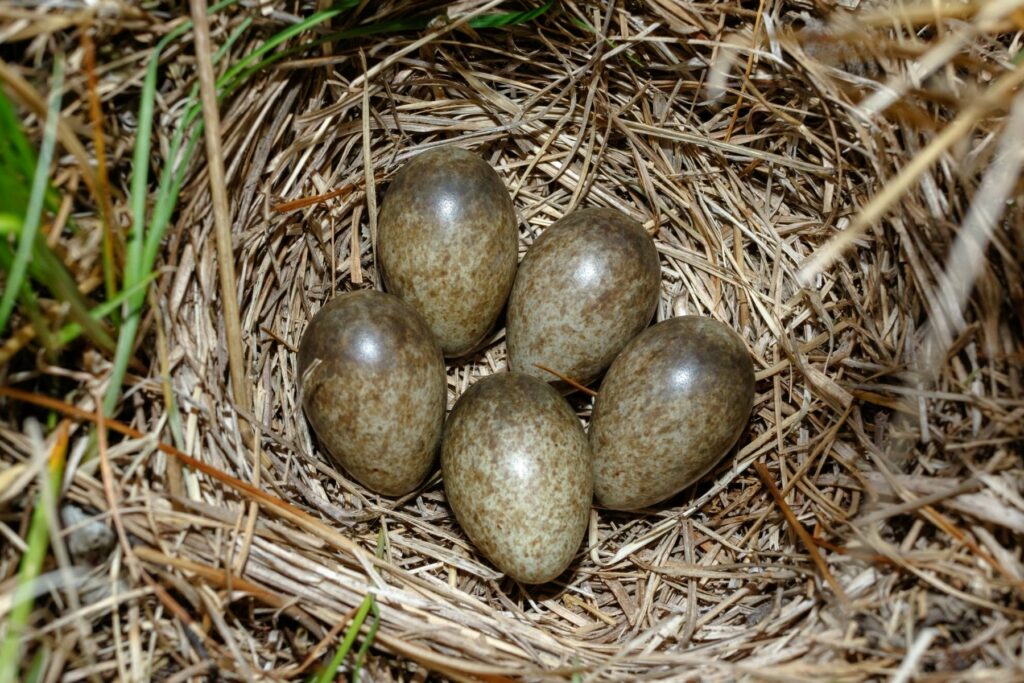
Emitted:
<point x="839" y="181"/>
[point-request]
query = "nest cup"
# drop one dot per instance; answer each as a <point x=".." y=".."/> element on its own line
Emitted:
<point x="863" y="526"/>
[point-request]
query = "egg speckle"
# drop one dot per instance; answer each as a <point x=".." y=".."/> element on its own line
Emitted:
<point x="670" y="407"/>
<point x="517" y="474"/>
<point x="585" y="288"/>
<point x="374" y="389"/>
<point x="447" y="243"/>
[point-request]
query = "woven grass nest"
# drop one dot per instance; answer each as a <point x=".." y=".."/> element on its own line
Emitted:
<point x="838" y="181"/>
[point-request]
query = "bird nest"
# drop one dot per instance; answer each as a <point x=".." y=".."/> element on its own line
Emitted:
<point x="836" y="181"/>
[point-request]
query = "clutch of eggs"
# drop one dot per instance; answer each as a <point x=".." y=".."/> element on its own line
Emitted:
<point x="519" y="472"/>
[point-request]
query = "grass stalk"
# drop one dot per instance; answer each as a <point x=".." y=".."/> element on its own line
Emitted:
<point x="37" y="197"/>
<point x="221" y="208"/>
<point x="330" y="671"/>
<point x="144" y="241"/>
<point x="32" y="562"/>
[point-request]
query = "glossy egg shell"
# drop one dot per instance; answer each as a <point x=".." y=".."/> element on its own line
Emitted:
<point x="585" y="288"/>
<point x="374" y="389"/>
<point x="447" y="243"/>
<point x="517" y="474"/>
<point x="670" y="407"/>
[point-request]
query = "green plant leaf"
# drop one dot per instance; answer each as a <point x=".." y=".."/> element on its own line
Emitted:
<point x="71" y="331"/>
<point x="328" y="673"/>
<point x="37" y="545"/>
<point x="37" y="197"/>
<point x="499" y="20"/>
<point x="364" y="647"/>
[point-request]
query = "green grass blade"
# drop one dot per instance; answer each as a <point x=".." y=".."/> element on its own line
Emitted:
<point x="17" y="168"/>
<point x="141" y="154"/>
<point x="136" y="258"/>
<point x="49" y="271"/>
<point x="395" y="26"/>
<point x="10" y="225"/>
<point x="31" y="564"/>
<point x="232" y="39"/>
<point x="17" y="164"/>
<point x="416" y="23"/>
<point x="232" y="80"/>
<point x="510" y="18"/>
<point x="30" y="304"/>
<point x="327" y="674"/>
<point x="71" y="331"/>
<point x="371" y="632"/>
<point x="364" y="647"/>
<point x="140" y="159"/>
<point x="34" y="213"/>
<point x="35" y="671"/>
<point x="17" y="153"/>
<point x="234" y="76"/>
<point x="171" y="180"/>
<point x="142" y="255"/>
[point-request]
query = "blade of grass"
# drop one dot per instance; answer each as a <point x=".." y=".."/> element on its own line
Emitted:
<point x="9" y="224"/>
<point x="142" y="256"/>
<point x="71" y="331"/>
<point x="30" y="305"/>
<point x="144" y="243"/>
<point x="238" y="73"/>
<point x="32" y="562"/>
<point x="411" y="24"/>
<point x="510" y="18"/>
<point x="136" y="256"/>
<point x="36" y="669"/>
<point x="221" y="210"/>
<point x="328" y="673"/>
<point x="17" y="168"/>
<point x="801" y="532"/>
<point x="47" y="270"/>
<point x="18" y="163"/>
<point x="371" y="633"/>
<point x="34" y="213"/>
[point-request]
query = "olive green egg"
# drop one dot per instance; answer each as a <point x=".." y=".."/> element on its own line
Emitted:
<point x="374" y="389"/>
<point x="517" y="474"/>
<point x="447" y="243"/>
<point x="670" y="407"/>
<point x="585" y="288"/>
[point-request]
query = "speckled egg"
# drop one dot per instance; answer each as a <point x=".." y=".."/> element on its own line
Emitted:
<point x="670" y="407"/>
<point x="517" y="474"/>
<point x="585" y="288"/>
<point x="447" y="243"/>
<point x="374" y="389"/>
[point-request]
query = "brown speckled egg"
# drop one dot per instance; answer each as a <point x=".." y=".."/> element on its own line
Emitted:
<point x="670" y="407"/>
<point x="517" y="473"/>
<point x="374" y="389"/>
<point x="586" y="287"/>
<point x="447" y="243"/>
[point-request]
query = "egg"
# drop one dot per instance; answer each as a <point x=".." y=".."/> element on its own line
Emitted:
<point x="585" y="288"/>
<point x="670" y="407"/>
<point x="447" y="243"/>
<point x="374" y="389"/>
<point x="517" y="474"/>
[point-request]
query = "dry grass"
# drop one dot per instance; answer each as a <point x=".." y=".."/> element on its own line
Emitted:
<point x="749" y="138"/>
